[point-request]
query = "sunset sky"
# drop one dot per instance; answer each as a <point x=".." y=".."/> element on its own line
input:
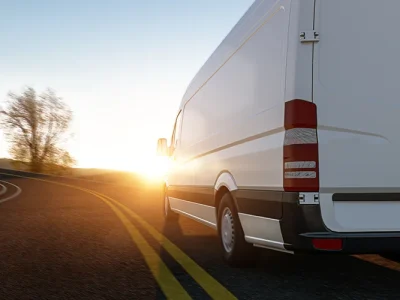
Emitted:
<point x="122" y="66"/>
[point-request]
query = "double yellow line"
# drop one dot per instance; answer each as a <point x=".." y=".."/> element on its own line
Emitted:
<point x="170" y="286"/>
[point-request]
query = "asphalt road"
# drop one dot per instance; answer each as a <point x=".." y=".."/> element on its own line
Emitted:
<point x="64" y="240"/>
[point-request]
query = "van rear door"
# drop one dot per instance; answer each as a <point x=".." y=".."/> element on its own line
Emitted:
<point x="356" y="88"/>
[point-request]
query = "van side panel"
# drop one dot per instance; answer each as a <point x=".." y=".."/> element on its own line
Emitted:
<point x="235" y="122"/>
<point x="356" y="90"/>
<point x="249" y="22"/>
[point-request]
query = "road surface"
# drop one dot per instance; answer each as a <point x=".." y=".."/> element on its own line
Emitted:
<point x="75" y="239"/>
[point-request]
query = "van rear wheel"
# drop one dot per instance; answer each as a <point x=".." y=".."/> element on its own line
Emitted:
<point x="236" y="251"/>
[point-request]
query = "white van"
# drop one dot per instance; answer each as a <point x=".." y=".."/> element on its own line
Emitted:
<point x="288" y="138"/>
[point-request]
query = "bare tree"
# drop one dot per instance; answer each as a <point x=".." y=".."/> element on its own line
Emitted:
<point x="35" y="126"/>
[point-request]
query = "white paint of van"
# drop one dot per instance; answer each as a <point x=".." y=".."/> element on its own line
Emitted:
<point x="239" y="94"/>
<point x="356" y="90"/>
<point x="233" y="110"/>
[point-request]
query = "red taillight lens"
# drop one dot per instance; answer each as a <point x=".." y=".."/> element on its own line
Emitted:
<point x="300" y="157"/>
<point x="328" y="244"/>
<point x="300" y="114"/>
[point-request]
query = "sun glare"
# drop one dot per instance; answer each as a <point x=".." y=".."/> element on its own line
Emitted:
<point x="155" y="168"/>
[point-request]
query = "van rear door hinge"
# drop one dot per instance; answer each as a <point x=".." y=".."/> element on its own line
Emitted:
<point x="308" y="198"/>
<point x="310" y="36"/>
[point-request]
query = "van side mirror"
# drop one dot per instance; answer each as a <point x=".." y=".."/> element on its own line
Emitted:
<point x="162" y="147"/>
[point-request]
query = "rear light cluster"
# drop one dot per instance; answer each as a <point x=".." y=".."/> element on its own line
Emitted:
<point x="300" y="151"/>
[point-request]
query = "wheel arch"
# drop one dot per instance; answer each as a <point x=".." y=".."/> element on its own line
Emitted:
<point x="224" y="184"/>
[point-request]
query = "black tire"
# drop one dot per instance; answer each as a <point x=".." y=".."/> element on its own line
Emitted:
<point x="239" y="253"/>
<point x="169" y="214"/>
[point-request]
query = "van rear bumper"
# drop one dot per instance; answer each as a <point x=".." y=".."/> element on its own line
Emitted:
<point x="365" y="243"/>
<point x="303" y="224"/>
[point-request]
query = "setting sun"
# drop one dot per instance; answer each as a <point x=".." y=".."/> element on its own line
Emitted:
<point x="153" y="168"/>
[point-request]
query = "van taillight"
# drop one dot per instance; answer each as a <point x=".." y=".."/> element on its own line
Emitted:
<point x="300" y="151"/>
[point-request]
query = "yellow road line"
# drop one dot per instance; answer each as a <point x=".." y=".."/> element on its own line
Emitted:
<point x="380" y="261"/>
<point x="166" y="280"/>
<point x="215" y="289"/>
<point x="205" y="280"/>
<point x="170" y="286"/>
